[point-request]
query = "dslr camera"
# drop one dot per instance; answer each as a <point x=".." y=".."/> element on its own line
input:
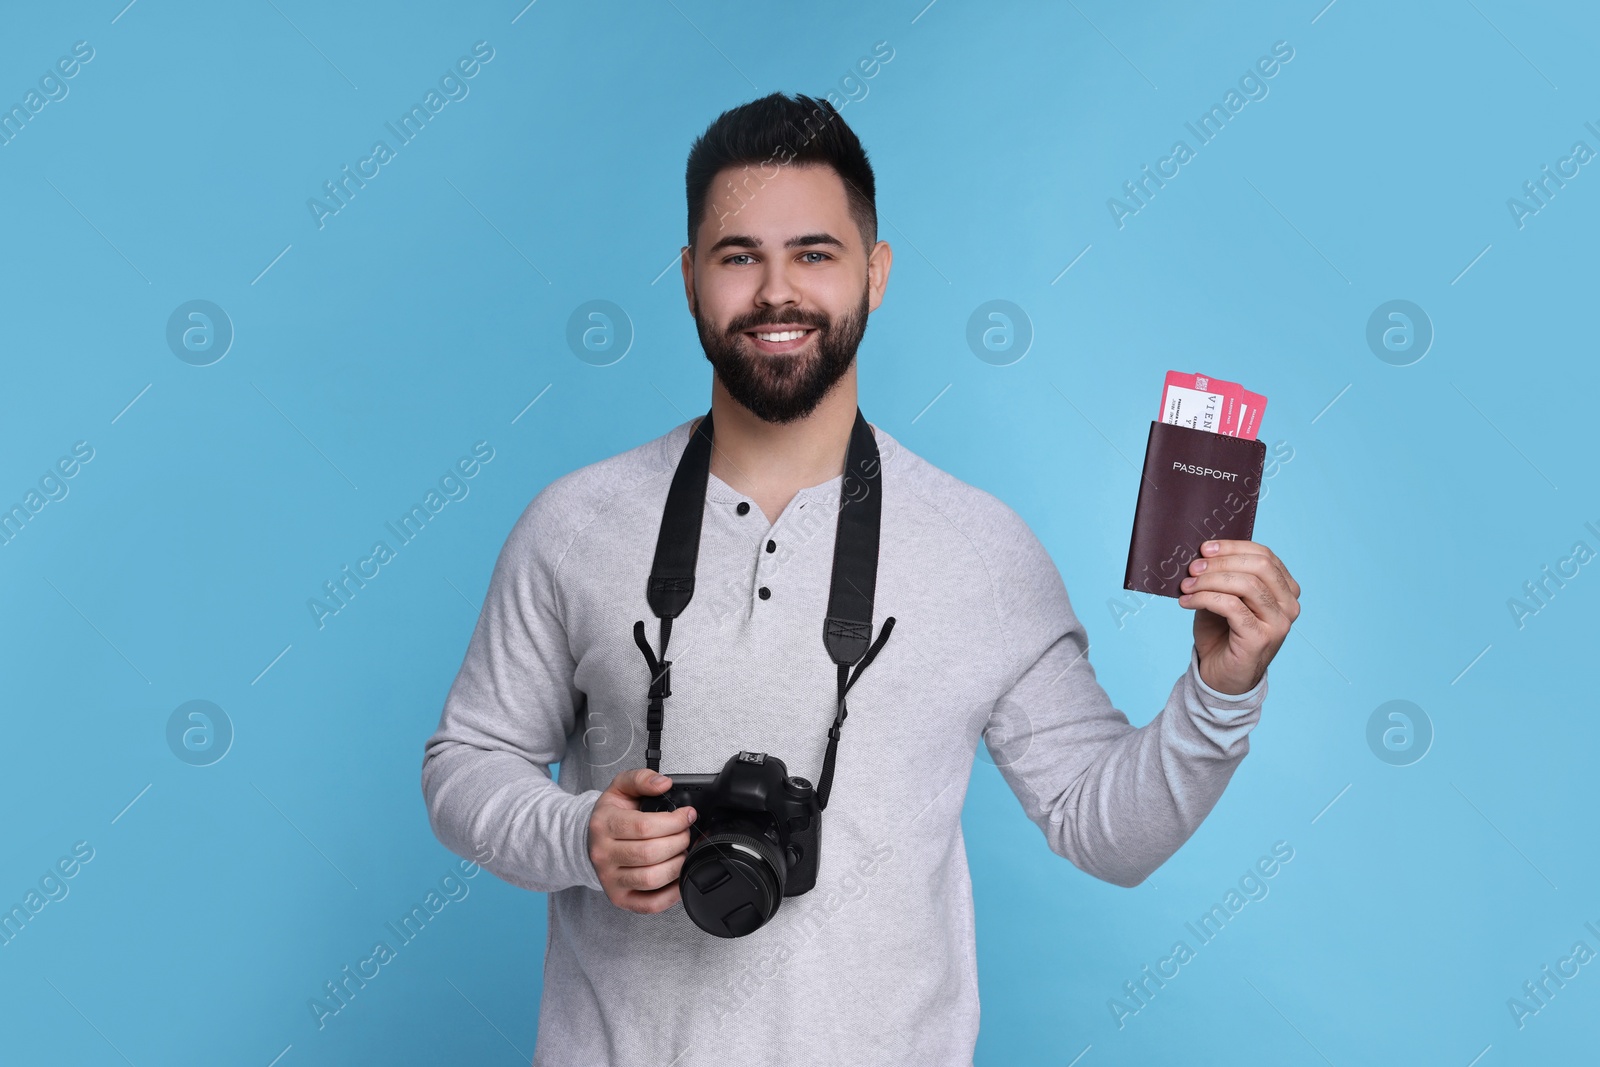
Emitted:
<point x="754" y="841"/>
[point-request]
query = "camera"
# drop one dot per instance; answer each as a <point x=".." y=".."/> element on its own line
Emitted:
<point x="754" y="841"/>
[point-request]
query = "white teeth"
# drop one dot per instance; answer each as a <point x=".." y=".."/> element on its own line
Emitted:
<point x="787" y="335"/>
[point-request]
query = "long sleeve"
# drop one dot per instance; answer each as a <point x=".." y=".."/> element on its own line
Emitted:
<point x="485" y="771"/>
<point x="1114" y="799"/>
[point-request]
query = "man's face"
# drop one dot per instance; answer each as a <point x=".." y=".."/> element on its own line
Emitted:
<point x="780" y="257"/>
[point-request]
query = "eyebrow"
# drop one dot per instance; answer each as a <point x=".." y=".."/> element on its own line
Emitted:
<point x="740" y="240"/>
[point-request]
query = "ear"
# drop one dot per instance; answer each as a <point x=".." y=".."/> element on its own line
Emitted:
<point x="686" y="263"/>
<point x="878" y="264"/>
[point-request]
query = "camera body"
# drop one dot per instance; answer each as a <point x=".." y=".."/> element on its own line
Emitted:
<point x="756" y="839"/>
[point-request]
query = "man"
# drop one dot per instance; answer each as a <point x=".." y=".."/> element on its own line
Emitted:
<point x="876" y="963"/>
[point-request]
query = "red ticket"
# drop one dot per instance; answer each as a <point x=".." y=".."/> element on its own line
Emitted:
<point x="1251" y="409"/>
<point x="1199" y="402"/>
<point x="1202" y="402"/>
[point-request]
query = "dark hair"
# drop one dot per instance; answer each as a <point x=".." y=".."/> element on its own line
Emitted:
<point x="777" y="131"/>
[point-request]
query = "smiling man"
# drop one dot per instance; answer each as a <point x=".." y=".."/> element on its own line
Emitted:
<point x="876" y="962"/>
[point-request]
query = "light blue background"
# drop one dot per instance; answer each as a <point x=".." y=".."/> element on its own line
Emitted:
<point x="432" y="310"/>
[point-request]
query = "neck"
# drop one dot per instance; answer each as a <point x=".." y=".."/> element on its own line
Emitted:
<point x="771" y="462"/>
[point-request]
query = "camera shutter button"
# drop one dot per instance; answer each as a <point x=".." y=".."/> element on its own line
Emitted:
<point x="796" y="786"/>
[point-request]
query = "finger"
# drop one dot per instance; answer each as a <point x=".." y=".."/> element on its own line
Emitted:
<point x="1252" y="550"/>
<point x="648" y="852"/>
<point x="1254" y="563"/>
<point x="1280" y="573"/>
<point x="1292" y="585"/>
<point x="1241" y="620"/>
<point x="650" y="903"/>
<point x="655" y="876"/>
<point x="1251" y="588"/>
<point x="1213" y="549"/>
<point x="1222" y="548"/>
<point x="628" y="825"/>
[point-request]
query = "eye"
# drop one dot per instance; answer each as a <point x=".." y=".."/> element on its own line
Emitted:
<point x="824" y="255"/>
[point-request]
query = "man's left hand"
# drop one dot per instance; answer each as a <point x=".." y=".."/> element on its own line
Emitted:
<point x="1244" y="601"/>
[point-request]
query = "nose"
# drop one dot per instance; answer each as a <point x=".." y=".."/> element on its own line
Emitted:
<point x="776" y="288"/>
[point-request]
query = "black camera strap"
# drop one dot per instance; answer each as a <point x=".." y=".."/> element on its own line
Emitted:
<point x="847" y="629"/>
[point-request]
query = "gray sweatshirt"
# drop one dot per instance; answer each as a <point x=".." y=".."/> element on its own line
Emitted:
<point x="877" y="964"/>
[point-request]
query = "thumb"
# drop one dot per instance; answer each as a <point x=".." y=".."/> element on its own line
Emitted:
<point x="640" y="782"/>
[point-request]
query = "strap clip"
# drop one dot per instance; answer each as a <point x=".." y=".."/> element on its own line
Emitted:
<point x="833" y="731"/>
<point x="661" y="684"/>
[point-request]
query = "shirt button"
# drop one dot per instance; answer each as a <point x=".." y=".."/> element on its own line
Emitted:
<point x="764" y="593"/>
<point x="744" y="507"/>
<point x="772" y="546"/>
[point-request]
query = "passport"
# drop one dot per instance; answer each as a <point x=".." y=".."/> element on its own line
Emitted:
<point x="1196" y="486"/>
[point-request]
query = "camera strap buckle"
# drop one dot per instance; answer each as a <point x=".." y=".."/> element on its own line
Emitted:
<point x="661" y="682"/>
<point x="660" y="689"/>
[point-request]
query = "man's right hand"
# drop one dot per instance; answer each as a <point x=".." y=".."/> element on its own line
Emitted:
<point x="638" y="854"/>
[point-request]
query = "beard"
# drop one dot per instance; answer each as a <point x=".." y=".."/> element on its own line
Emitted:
<point x="786" y="387"/>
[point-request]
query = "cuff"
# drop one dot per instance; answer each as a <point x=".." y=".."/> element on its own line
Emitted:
<point x="585" y="864"/>
<point x="1226" y="705"/>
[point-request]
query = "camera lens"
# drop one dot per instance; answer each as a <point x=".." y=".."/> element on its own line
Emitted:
<point x="732" y="881"/>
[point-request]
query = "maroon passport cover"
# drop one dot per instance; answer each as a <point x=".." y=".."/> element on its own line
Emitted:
<point x="1197" y="486"/>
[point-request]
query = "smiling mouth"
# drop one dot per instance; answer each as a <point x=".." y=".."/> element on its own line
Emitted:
<point x="785" y="339"/>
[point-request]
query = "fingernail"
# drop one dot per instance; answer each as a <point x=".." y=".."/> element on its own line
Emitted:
<point x="658" y="779"/>
<point x="1187" y="583"/>
<point x="1198" y="567"/>
<point x="1209" y="546"/>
